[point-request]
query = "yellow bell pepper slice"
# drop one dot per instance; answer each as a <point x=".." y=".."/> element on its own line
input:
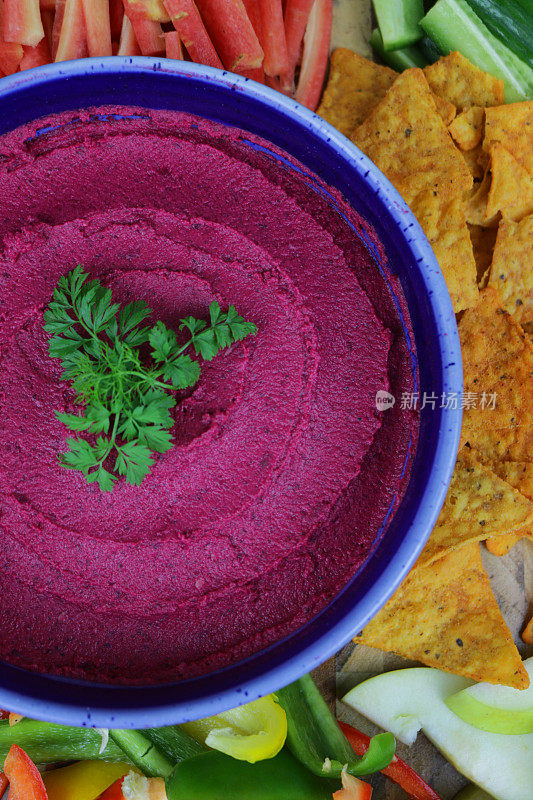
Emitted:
<point x="252" y="732"/>
<point x="85" y="780"/>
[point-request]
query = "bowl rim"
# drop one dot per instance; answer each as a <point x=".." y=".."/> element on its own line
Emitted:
<point x="325" y="645"/>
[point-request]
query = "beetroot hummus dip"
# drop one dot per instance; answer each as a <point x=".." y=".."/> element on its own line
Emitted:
<point x="283" y="469"/>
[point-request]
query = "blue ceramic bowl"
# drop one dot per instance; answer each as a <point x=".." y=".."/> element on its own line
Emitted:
<point x="232" y="100"/>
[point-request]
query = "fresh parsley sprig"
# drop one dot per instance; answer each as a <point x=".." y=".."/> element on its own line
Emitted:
<point x="127" y="396"/>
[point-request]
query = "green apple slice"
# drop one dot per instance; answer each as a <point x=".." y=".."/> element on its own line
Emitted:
<point x="489" y="718"/>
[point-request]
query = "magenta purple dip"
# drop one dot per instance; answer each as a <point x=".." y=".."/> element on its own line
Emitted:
<point x="283" y="469"/>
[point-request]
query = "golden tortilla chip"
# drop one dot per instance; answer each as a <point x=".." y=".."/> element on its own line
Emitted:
<point x="467" y="128"/>
<point x="477" y="161"/>
<point x="477" y="204"/>
<point x="511" y="272"/>
<point x="478" y="504"/>
<point x="445" y="615"/>
<point x="463" y="84"/>
<point x="527" y="633"/>
<point x="355" y="86"/>
<point x="445" y="109"/>
<point x="511" y="188"/>
<point x="512" y="126"/>
<point x="408" y="141"/>
<point x="483" y="241"/>
<point x="498" y="378"/>
<point x="519" y="475"/>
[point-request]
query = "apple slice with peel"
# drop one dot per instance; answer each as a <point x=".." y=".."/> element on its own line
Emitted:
<point x="498" y="709"/>
<point x="409" y="700"/>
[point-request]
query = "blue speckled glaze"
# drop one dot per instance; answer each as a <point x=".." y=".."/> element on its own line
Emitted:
<point x="231" y="100"/>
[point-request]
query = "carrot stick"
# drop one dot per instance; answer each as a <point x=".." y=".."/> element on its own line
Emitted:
<point x="36" y="56"/>
<point x="188" y="23"/>
<point x="72" y="42"/>
<point x="274" y="42"/>
<point x="151" y="9"/>
<point x="116" y="15"/>
<point x="98" y="26"/>
<point x="257" y="75"/>
<point x="254" y="15"/>
<point x="148" y="32"/>
<point x="316" y="53"/>
<point x="174" y="45"/>
<point x="232" y="33"/>
<point x="10" y="52"/>
<point x="58" y="23"/>
<point x="129" y="46"/>
<point x="22" y="22"/>
<point x="296" y="17"/>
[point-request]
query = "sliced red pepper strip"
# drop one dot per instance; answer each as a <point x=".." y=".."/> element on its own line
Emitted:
<point x="174" y="45"/>
<point x="398" y="771"/>
<point x="274" y="42"/>
<point x="3" y="783"/>
<point x="188" y="23"/>
<point x="114" y="792"/>
<point x="23" y="22"/>
<point x="232" y="33"/>
<point x="317" y="41"/>
<point x="353" y="789"/>
<point x="10" y="52"/>
<point x="25" y="782"/>
<point x="98" y="27"/>
<point x="4" y="714"/>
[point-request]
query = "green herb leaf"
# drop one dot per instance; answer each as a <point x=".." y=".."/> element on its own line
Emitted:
<point x="127" y="400"/>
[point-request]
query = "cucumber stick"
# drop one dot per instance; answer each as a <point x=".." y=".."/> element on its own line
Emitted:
<point x="510" y="22"/>
<point x="398" y="59"/>
<point x="398" y="22"/>
<point x="453" y="26"/>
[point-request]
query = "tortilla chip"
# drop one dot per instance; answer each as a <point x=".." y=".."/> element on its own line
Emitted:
<point x="511" y="272"/>
<point x="511" y="188"/>
<point x="498" y="376"/>
<point x="467" y="128"/>
<point x="445" y="615"/>
<point x="478" y="504"/>
<point x="355" y="86"/>
<point x="408" y="141"/>
<point x="512" y="126"/>
<point x="483" y="241"/>
<point x="527" y="633"/>
<point x="477" y="161"/>
<point x="500" y="545"/>
<point x="444" y="108"/>
<point x="456" y="79"/>
<point x="477" y="204"/>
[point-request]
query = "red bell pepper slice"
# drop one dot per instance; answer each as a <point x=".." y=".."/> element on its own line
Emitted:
<point x="98" y="27"/>
<point x="353" y="789"/>
<point x="148" y="32"/>
<point x="4" y="714"/>
<point x="315" y="55"/>
<point x="174" y="45"/>
<point x="232" y="33"/>
<point x="398" y="771"/>
<point x="69" y="32"/>
<point x="188" y="23"/>
<point x="114" y="792"/>
<point x="274" y="42"/>
<point x="3" y="783"/>
<point x="25" y="782"/>
<point x="10" y="52"/>
<point x="128" y="45"/>
<point x="22" y="22"/>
